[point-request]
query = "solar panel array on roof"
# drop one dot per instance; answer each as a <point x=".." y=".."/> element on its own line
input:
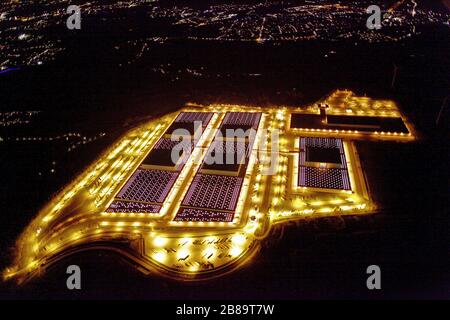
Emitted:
<point x="322" y="164"/>
<point x="150" y="184"/>
<point x="213" y="194"/>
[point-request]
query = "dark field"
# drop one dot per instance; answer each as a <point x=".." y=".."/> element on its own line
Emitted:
<point x="88" y="92"/>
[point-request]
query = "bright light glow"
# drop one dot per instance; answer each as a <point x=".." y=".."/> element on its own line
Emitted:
<point x="160" y="241"/>
<point x="160" y="257"/>
<point x="235" y="251"/>
<point x="298" y="203"/>
<point x="183" y="254"/>
<point x="47" y="218"/>
<point x="238" y="239"/>
<point x="210" y="251"/>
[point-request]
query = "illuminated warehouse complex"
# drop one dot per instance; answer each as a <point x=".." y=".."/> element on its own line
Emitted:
<point x="194" y="218"/>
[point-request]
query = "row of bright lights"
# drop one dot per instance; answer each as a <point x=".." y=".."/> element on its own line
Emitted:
<point x="185" y="250"/>
<point x="73" y="189"/>
<point x="350" y="131"/>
